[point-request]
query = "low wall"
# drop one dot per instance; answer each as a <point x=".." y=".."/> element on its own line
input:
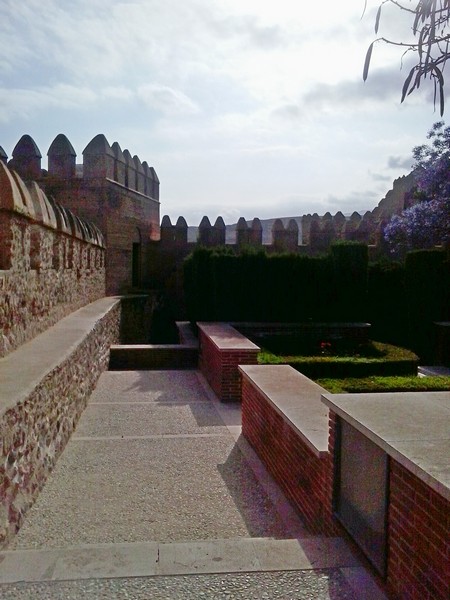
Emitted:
<point x="51" y="262"/>
<point x="417" y="528"/>
<point x="221" y="350"/>
<point x="134" y="357"/>
<point x="44" y="388"/>
<point x="285" y="421"/>
<point x="309" y="332"/>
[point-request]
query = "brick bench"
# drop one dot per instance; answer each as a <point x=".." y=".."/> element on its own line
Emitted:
<point x="286" y="422"/>
<point x="222" y="349"/>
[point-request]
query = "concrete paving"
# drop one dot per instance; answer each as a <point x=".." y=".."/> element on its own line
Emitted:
<point x="158" y="495"/>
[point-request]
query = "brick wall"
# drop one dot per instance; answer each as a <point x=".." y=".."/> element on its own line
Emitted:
<point x="220" y="367"/>
<point x="305" y="478"/>
<point x="418" y="534"/>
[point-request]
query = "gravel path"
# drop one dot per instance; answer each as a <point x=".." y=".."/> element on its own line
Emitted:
<point x="293" y="585"/>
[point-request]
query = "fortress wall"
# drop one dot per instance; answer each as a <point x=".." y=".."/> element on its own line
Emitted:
<point x="112" y="189"/>
<point x="51" y="261"/>
<point x="165" y="257"/>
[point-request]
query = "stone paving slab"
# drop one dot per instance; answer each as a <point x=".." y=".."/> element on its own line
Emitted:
<point x="151" y="558"/>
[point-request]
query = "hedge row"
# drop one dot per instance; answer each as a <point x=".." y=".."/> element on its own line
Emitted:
<point x="405" y="300"/>
<point x="401" y="301"/>
<point x="223" y="286"/>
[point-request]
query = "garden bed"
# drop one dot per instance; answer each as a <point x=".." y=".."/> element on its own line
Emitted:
<point x="343" y="360"/>
<point x="355" y="385"/>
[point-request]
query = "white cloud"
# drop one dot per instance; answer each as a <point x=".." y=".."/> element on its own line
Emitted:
<point x="29" y="103"/>
<point x="166" y="100"/>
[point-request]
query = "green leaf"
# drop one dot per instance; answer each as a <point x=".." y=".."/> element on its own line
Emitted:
<point x="406" y="84"/>
<point x="367" y="61"/>
<point x="377" y="19"/>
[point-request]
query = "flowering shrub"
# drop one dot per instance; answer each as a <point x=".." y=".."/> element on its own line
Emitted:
<point x="325" y="348"/>
<point x="423" y="225"/>
<point x="427" y="223"/>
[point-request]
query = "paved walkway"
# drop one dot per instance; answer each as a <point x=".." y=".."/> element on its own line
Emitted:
<point x="157" y="495"/>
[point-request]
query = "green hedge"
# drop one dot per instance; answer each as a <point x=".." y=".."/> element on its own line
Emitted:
<point x="350" y="263"/>
<point x="427" y="285"/>
<point x="395" y="361"/>
<point x="386" y="384"/>
<point x="255" y="286"/>
<point x="401" y="301"/>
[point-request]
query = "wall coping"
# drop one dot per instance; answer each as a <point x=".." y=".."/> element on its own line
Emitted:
<point x="296" y="398"/>
<point x="187" y="337"/>
<point x="24" y="368"/>
<point x="225" y="337"/>
<point x="411" y="427"/>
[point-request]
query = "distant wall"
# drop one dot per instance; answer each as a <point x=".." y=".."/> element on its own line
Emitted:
<point x="312" y="238"/>
<point x="51" y="261"/>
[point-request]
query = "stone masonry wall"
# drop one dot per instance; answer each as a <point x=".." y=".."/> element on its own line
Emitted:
<point x="34" y="431"/>
<point x="51" y="262"/>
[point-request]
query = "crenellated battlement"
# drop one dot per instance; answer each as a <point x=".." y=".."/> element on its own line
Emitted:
<point x="100" y="161"/>
<point x="307" y="234"/>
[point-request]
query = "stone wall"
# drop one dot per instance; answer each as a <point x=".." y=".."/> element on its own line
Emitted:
<point x="112" y="189"/>
<point x="51" y="262"/>
<point x="38" y="413"/>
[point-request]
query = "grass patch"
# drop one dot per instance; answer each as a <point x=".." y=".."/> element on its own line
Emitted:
<point x="372" y="359"/>
<point x="353" y="385"/>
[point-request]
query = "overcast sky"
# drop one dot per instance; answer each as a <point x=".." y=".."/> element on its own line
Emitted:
<point x="244" y="107"/>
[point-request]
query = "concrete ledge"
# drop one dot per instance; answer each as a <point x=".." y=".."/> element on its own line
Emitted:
<point x="44" y="387"/>
<point x="147" y="559"/>
<point x="296" y="399"/>
<point x="411" y="427"/>
<point x="187" y="337"/>
<point x="226" y="337"/>
<point x="152" y="356"/>
<point x="22" y="370"/>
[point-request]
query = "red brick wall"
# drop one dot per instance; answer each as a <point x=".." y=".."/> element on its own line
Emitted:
<point x="220" y="368"/>
<point x="305" y="478"/>
<point x="418" y="559"/>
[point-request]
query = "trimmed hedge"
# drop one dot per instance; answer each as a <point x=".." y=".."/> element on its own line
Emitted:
<point x="427" y="284"/>
<point x="254" y="286"/>
<point x="401" y="301"/>
<point x="386" y="384"/>
<point x="395" y="361"/>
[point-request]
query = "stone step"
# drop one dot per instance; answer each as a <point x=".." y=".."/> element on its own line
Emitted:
<point x="146" y="559"/>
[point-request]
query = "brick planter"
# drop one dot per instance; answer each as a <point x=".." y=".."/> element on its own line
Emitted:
<point x="222" y="349"/>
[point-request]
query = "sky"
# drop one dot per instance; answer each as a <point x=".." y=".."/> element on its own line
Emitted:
<point x="251" y="108"/>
